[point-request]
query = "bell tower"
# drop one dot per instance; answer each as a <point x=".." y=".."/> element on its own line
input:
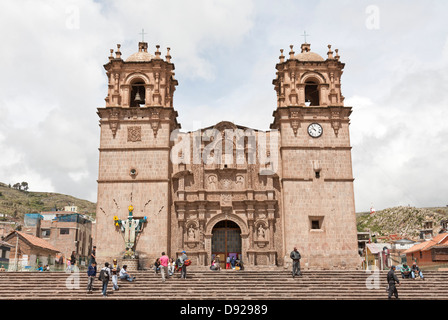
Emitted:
<point x="134" y="152"/>
<point x="318" y="209"/>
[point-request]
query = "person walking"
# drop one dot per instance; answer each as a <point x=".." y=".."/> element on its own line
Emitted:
<point x="228" y="262"/>
<point x="93" y="256"/>
<point x="295" y="256"/>
<point x="73" y="259"/>
<point x="91" y="273"/>
<point x="164" y="266"/>
<point x="183" y="271"/>
<point x="392" y="280"/>
<point x="105" y="276"/>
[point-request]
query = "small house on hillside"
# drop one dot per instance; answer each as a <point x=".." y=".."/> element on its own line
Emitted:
<point x="30" y="251"/>
<point x="430" y="253"/>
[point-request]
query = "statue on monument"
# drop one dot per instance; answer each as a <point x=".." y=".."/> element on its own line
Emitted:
<point x="130" y="227"/>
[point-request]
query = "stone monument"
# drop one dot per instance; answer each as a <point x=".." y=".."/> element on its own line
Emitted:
<point x="130" y="228"/>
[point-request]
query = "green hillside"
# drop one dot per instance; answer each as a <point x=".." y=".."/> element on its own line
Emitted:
<point x="15" y="203"/>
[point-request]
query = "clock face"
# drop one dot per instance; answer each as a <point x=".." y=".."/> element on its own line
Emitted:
<point x="315" y="130"/>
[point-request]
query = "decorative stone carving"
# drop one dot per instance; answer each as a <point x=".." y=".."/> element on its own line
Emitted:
<point x="226" y="199"/>
<point x="240" y="181"/>
<point x="295" y="121"/>
<point x="261" y="239"/>
<point x="261" y="232"/>
<point x="212" y="182"/>
<point x="135" y="133"/>
<point x="191" y="233"/>
<point x="113" y="120"/>
<point x="226" y="180"/>
<point x="155" y="121"/>
<point x="336" y="120"/>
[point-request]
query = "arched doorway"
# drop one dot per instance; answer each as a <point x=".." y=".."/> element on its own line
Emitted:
<point x="226" y="241"/>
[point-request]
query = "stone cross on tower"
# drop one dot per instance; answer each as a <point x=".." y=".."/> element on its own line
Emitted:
<point x="305" y="35"/>
<point x="143" y="34"/>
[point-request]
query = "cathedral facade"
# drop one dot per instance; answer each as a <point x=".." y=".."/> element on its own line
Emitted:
<point x="227" y="190"/>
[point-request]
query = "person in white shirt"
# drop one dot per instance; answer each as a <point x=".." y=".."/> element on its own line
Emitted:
<point x="124" y="275"/>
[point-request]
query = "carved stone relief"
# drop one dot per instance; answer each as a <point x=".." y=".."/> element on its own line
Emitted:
<point x="135" y="133"/>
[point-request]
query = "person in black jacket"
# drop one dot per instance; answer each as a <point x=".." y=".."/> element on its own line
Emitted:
<point x="295" y="256"/>
<point x="73" y="259"/>
<point x="391" y="280"/>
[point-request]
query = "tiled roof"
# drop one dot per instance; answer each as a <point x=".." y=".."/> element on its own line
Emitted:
<point x="426" y="245"/>
<point x="35" y="241"/>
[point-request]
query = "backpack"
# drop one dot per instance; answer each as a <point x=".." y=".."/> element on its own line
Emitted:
<point x="104" y="275"/>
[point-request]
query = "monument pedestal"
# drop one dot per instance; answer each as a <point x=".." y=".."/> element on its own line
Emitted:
<point x="131" y="263"/>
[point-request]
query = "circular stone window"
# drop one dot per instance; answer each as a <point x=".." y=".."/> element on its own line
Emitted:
<point x="133" y="173"/>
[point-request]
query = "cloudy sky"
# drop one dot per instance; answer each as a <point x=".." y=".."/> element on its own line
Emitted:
<point x="396" y="53"/>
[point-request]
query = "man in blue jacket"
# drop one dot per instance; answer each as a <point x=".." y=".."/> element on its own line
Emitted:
<point x="91" y="273"/>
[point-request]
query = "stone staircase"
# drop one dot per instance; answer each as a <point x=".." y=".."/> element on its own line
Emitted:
<point x="224" y="285"/>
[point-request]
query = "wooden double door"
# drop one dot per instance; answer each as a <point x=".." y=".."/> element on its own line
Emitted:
<point x="226" y="241"/>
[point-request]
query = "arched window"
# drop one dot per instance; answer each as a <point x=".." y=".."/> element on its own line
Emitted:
<point x="138" y="97"/>
<point x="312" y="93"/>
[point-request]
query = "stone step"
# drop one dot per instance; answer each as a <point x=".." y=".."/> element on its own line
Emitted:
<point x="252" y="285"/>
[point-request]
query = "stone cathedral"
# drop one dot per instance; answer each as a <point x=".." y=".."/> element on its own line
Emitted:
<point x="227" y="190"/>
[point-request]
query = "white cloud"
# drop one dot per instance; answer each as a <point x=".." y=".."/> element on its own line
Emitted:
<point x="225" y="54"/>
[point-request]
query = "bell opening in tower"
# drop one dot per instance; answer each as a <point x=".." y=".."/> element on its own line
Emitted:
<point x="311" y="94"/>
<point x="138" y="94"/>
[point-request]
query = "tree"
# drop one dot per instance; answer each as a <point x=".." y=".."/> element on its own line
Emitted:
<point x="25" y="185"/>
<point x="17" y="186"/>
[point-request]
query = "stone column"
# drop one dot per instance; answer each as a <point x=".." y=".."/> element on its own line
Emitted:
<point x="250" y="222"/>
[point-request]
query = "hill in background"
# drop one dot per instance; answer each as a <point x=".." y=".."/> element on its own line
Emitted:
<point x="15" y="203"/>
<point x="403" y="221"/>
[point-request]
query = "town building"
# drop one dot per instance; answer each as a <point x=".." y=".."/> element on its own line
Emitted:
<point x="430" y="254"/>
<point x="27" y="251"/>
<point x="67" y="230"/>
<point x="377" y="256"/>
<point x="227" y="189"/>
